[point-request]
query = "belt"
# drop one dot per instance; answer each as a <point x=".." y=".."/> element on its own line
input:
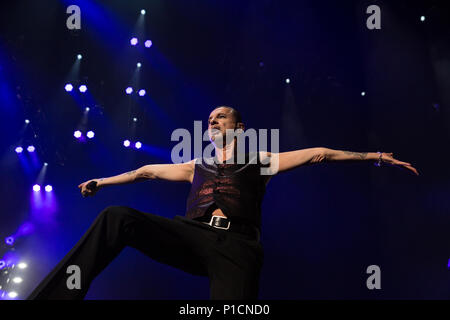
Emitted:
<point x="225" y="224"/>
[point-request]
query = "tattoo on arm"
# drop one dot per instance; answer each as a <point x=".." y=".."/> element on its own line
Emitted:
<point x="361" y="155"/>
<point x="131" y="172"/>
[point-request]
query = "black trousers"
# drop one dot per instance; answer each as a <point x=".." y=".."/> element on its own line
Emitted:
<point x="231" y="260"/>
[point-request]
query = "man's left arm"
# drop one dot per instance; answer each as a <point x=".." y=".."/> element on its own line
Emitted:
<point x="285" y="161"/>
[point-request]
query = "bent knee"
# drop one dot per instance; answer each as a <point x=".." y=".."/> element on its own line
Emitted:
<point x="120" y="212"/>
<point x="114" y="211"/>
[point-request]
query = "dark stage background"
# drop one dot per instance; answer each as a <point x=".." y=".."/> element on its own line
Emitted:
<point x="323" y="225"/>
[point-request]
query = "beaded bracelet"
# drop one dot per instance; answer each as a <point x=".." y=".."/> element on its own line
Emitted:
<point x="379" y="162"/>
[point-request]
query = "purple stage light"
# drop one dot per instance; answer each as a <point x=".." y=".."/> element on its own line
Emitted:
<point x="90" y="134"/>
<point x="77" y="134"/>
<point x="148" y="43"/>
<point x="19" y="149"/>
<point x="142" y="92"/>
<point x="82" y="88"/>
<point x="25" y="229"/>
<point x="36" y="188"/>
<point x="9" y="241"/>
<point x="68" y="87"/>
<point x="138" y="145"/>
<point x="134" y="41"/>
<point x="129" y="90"/>
<point x="126" y="143"/>
<point x="31" y="149"/>
<point x="48" y="188"/>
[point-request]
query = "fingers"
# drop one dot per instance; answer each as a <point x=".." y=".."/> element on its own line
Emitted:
<point x="403" y="164"/>
<point x="411" y="168"/>
<point x="86" y="193"/>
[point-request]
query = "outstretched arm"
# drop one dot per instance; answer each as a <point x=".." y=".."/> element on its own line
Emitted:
<point x="285" y="161"/>
<point x="171" y="172"/>
<point x="338" y="155"/>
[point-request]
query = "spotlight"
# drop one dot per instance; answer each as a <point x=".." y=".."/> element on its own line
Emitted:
<point x="143" y="12"/>
<point x="363" y="93"/>
<point x="22" y="265"/>
<point x="422" y="18"/>
<point x="142" y="92"/>
<point x="36" y="188"/>
<point x="129" y="90"/>
<point x="68" y="87"/>
<point x="288" y="80"/>
<point x="79" y="57"/>
<point x="77" y="134"/>
<point x="138" y="145"/>
<point x="19" y="149"/>
<point x="27" y="121"/>
<point x="12" y="294"/>
<point x="31" y="149"/>
<point x="17" y="280"/>
<point x="2" y="264"/>
<point x="134" y="41"/>
<point x="139" y="65"/>
<point x="48" y="188"/>
<point x="9" y="241"/>
<point x="82" y="88"/>
<point x="87" y="109"/>
<point x="135" y="119"/>
<point x="148" y="43"/>
<point x="126" y="143"/>
<point x="90" y="134"/>
<point x="45" y="164"/>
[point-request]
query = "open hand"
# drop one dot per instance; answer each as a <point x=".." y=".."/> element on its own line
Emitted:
<point x="389" y="159"/>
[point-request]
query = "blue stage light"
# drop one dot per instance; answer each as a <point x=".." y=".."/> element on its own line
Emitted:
<point x="77" y="134"/>
<point x="68" y="87"/>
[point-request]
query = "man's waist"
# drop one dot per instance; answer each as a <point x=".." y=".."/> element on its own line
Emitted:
<point x="223" y="223"/>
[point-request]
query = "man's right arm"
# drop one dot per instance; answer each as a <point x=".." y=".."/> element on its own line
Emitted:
<point x="171" y="172"/>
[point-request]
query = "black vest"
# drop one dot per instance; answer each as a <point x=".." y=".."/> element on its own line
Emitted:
<point x="237" y="189"/>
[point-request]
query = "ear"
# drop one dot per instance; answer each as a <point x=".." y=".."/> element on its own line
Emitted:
<point x="240" y="125"/>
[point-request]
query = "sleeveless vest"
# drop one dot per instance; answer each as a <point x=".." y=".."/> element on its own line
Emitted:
<point x="237" y="189"/>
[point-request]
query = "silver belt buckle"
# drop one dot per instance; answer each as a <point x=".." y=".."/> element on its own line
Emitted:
<point x="223" y="228"/>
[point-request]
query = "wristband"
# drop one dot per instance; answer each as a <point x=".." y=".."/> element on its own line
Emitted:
<point x="379" y="162"/>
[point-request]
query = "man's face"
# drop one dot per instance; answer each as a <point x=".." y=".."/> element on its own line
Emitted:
<point x="219" y="121"/>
